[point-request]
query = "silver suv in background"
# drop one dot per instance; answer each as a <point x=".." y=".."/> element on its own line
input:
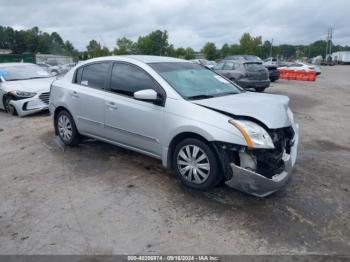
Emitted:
<point x="200" y="125"/>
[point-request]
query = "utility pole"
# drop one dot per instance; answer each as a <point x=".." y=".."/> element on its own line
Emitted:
<point x="327" y="39"/>
<point x="271" y="47"/>
<point x="330" y="39"/>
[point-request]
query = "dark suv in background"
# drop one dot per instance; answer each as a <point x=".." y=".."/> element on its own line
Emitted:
<point x="247" y="71"/>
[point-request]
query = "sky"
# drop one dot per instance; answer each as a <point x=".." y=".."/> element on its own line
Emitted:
<point x="189" y="22"/>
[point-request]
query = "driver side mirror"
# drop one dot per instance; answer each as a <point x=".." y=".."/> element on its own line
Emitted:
<point x="146" y="95"/>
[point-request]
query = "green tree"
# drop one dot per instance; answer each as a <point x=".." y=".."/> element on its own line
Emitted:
<point x="95" y="49"/>
<point x="249" y="44"/>
<point x="171" y="51"/>
<point x="180" y="52"/>
<point x="287" y="51"/>
<point x="125" y="46"/>
<point x="155" y="43"/>
<point x="189" y="53"/>
<point x="210" y="51"/>
<point x="235" y="49"/>
<point x="225" y="51"/>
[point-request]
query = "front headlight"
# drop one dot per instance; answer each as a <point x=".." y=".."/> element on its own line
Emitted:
<point x="255" y="135"/>
<point x="23" y="94"/>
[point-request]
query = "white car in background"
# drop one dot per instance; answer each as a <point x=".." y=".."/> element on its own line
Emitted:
<point x="303" y="66"/>
<point x="271" y="61"/>
<point x="53" y="70"/>
<point x="24" y="88"/>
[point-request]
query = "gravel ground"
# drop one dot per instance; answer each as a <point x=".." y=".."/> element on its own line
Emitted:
<point x="101" y="199"/>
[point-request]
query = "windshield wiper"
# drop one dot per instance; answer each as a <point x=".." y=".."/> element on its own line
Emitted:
<point x="228" y="93"/>
<point x="19" y="79"/>
<point x="199" y="97"/>
<point x="35" y="77"/>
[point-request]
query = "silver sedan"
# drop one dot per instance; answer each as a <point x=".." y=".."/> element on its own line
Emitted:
<point x="199" y="124"/>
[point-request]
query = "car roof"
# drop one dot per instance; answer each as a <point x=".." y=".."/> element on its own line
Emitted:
<point x="141" y="58"/>
<point x="240" y="61"/>
<point x="247" y="58"/>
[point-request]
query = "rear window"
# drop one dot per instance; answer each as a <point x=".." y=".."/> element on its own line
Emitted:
<point x="254" y="66"/>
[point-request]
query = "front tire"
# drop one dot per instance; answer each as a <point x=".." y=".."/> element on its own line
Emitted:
<point x="8" y="107"/>
<point x="66" y="128"/>
<point x="196" y="165"/>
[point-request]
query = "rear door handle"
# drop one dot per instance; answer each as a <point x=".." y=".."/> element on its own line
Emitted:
<point x="74" y="94"/>
<point x="111" y="105"/>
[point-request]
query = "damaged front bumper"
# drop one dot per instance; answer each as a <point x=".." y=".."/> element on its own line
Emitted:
<point x="250" y="182"/>
<point x="27" y="106"/>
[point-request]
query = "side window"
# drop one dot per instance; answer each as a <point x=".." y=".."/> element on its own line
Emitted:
<point x="219" y="66"/>
<point x="127" y="79"/>
<point x="228" y="66"/>
<point x="94" y="75"/>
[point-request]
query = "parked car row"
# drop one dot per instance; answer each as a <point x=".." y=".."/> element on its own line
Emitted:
<point x="201" y="125"/>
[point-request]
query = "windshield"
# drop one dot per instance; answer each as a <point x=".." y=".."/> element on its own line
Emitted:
<point x="254" y="66"/>
<point x="193" y="81"/>
<point x="22" y="72"/>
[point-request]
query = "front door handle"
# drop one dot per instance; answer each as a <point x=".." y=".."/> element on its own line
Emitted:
<point x="111" y="105"/>
<point x="74" y="94"/>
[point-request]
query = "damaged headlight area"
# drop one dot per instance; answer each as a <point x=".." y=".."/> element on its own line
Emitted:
<point x="255" y="135"/>
<point x="258" y="171"/>
<point x="22" y="94"/>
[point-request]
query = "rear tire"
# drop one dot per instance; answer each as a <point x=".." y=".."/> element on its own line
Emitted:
<point x="8" y="107"/>
<point x="195" y="163"/>
<point x="260" y="89"/>
<point x="66" y="128"/>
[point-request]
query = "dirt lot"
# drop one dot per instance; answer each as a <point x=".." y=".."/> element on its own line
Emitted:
<point x="100" y="199"/>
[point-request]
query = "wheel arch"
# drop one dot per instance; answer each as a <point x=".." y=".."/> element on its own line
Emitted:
<point x="8" y="94"/>
<point x="55" y="114"/>
<point x="179" y="137"/>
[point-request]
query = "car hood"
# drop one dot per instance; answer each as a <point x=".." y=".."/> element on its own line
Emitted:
<point x="31" y="85"/>
<point x="272" y="110"/>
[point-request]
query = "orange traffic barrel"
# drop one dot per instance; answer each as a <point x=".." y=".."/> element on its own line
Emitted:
<point x="293" y="75"/>
<point x="300" y="75"/>
<point x="305" y="76"/>
<point x="312" y="75"/>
